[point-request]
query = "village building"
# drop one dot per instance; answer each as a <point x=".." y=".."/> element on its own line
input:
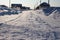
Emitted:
<point x="43" y="5"/>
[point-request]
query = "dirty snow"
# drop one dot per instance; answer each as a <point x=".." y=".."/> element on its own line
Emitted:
<point x="30" y="25"/>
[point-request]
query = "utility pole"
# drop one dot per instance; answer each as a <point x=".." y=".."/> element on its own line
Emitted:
<point x="35" y="5"/>
<point x="40" y="1"/>
<point x="9" y="3"/>
<point x="48" y="1"/>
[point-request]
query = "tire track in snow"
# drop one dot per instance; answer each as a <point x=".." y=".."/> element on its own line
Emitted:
<point x="14" y="19"/>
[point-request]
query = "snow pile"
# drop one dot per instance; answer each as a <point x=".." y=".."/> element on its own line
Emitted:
<point x="56" y="15"/>
<point x="31" y="25"/>
<point x="55" y="18"/>
<point x="8" y="17"/>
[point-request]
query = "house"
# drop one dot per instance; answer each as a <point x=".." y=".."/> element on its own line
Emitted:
<point x="43" y="5"/>
<point x="23" y="7"/>
<point x="19" y="6"/>
<point x="3" y="6"/>
<point x="16" y="5"/>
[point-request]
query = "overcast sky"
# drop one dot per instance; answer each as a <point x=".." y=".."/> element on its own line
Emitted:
<point x="30" y="3"/>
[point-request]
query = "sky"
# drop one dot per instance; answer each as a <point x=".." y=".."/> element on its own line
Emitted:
<point x="30" y="3"/>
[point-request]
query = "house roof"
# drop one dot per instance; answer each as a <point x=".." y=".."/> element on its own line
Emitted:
<point x="44" y="4"/>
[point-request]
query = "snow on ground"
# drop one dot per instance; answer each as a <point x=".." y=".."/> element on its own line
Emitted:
<point x="30" y="25"/>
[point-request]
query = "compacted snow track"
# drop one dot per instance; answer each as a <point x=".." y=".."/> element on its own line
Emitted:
<point x="30" y="25"/>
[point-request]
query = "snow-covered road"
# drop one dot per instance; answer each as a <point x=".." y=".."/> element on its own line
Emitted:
<point x="30" y="25"/>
